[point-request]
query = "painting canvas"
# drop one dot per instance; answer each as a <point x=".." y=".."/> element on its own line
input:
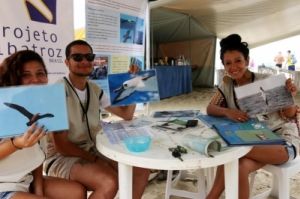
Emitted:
<point x="127" y="88"/>
<point x="19" y="104"/>
<point x="264" y="96"/>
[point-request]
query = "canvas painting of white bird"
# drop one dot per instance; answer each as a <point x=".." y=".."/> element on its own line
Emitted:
<point x="126" y="88"/>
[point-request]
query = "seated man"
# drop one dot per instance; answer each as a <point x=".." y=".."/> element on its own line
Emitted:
<point x="72" y="154"/>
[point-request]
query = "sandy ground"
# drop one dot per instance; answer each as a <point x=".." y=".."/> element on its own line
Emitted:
<point x="198" y="100"/>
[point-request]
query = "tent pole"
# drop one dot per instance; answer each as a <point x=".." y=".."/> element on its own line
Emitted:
<point x="147" y="46"/>
<point x="151" y="43"/>
<point x="190" y="45"/>
<point x="148" y="37"/>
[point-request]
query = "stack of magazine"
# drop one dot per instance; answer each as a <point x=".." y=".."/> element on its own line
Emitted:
<point x="251" y="132"/>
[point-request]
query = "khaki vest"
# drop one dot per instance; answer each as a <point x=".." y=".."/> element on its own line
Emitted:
<point x="78" y="129"/>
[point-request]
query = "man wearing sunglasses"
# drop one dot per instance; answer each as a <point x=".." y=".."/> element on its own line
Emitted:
<point x="72" y="154"/>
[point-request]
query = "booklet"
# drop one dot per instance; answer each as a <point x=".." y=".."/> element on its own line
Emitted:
<point x="19" y="105"/>
<point x="264" y="96"/>
<point x="251" y="132"/>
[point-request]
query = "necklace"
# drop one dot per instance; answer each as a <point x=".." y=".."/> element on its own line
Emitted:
<point x="83" y="108"/>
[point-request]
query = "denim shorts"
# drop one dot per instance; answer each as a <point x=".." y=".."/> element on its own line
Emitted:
<point x="7" y="194"/>
<point x="291" y="150"/>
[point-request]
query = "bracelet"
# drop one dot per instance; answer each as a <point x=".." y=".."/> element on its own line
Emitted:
<point x="12" y="142"/>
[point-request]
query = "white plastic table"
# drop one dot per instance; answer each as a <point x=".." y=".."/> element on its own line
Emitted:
<point x="159" y="157"/>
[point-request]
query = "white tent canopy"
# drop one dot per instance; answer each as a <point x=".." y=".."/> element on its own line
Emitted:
<point x="186" y="26"/>
<point x="257" y="21"/>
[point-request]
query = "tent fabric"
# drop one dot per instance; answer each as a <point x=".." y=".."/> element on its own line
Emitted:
<point x="200" y="53"/>
<point x="257" y="21"/>
<point x="173" y="26"/>
<point x="175" y="34"/>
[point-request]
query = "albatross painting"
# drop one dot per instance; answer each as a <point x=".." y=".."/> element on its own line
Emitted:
<point x="21" y="106"/>
<point x="126" y="88"/>
<point x="31" y="117"/>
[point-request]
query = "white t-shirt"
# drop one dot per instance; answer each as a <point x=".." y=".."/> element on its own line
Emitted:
<point x="15" y="169"/>
<point x="103" y="101"/>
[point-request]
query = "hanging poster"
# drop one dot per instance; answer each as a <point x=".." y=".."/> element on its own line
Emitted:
<point x="116" y="31"/>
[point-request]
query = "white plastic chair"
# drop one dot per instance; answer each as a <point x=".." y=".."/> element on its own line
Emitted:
<point x="205" y="179"/>
<point x="280" y="184"/>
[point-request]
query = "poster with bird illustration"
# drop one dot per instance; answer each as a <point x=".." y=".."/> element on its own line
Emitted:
<point x="22" y="106"/>
<point x="127" y="88"/>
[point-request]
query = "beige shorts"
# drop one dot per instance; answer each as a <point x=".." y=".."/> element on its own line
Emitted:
<point x="61" y="166"/>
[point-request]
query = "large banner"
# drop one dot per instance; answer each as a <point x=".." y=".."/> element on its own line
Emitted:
<point x="45" y="26"/>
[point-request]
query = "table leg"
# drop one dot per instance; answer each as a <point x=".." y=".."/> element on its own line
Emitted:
<point x="125" y="181"/>
<point x="231" y="171"/>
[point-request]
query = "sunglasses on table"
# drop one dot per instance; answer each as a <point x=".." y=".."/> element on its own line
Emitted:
<point x="79" y="57"/>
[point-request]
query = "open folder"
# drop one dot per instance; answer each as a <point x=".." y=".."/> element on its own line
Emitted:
<point x="248" y="133"/>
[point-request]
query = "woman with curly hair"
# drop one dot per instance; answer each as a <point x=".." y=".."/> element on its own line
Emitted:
<point x="26" y="181"/>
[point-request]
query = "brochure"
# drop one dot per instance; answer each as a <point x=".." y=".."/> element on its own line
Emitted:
<point x="264" y="96"/>
<point x="247" y="133"/>
<point x="118" y="131"/>
<point x="127" y="88"/>
<point x="19" y="105"/>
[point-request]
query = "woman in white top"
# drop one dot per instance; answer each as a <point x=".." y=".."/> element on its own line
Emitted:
<point x="21" y="157"/>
